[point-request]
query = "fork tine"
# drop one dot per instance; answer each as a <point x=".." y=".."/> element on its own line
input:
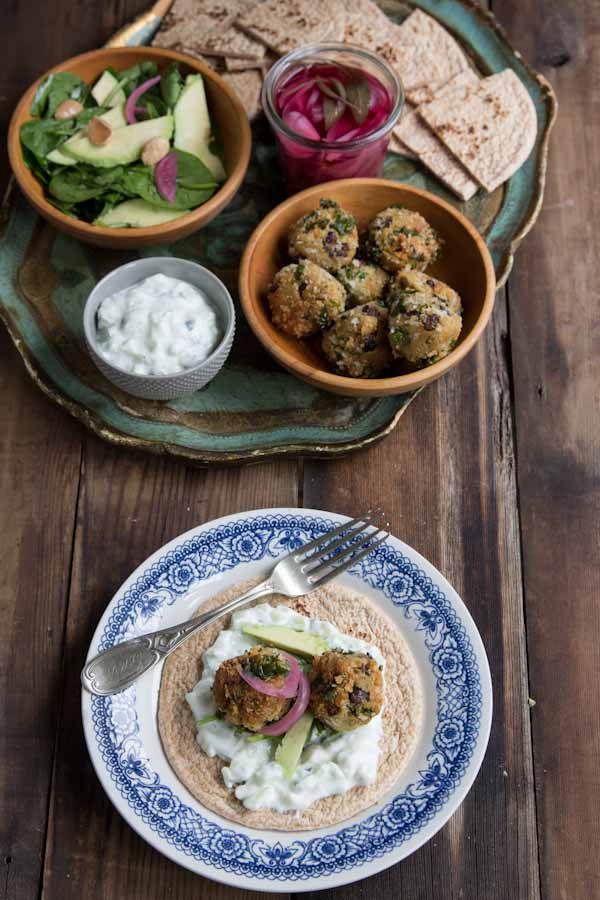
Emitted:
<point x="348" y="562"/>
<point x="329" y="548"/>
<point x="345" y="554"/>
<point x="318" y="542"/>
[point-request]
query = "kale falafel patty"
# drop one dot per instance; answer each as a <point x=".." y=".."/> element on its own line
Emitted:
<point x="357" y="342"/>
<point x="243" y="705"/>
<point x="409" y="281"/>
<point x="399" y="238"/>
<point x="305" y="298"/>
<point x="327" y="236"/>
<point x="422" y="328"/>
<point x="364" y="282"/>
<point x="346" y="689"/>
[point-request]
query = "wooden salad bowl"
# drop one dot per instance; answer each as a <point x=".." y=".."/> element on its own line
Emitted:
<point x="465" y="264"/>
<point x="226" y="112"/>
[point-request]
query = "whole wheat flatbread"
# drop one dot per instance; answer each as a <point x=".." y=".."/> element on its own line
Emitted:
<point x="284" y="25"/>
<point x="201" y="774"/>
<point x="420" y="139"/>
<point x="428" y="56"/>
<point x="491" y="127"/>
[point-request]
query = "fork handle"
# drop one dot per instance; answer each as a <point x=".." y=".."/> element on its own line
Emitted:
<point x="115" y="669"/>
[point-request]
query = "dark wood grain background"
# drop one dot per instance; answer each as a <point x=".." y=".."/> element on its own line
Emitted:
<point x="492" y="474"/>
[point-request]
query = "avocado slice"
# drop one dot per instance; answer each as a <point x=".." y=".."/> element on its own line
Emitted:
<point x="104" y="88"/>
<point x="124" y="146"/>
<point x="290" y="749"/>
<point x="138" y="214"/>
<point x="193" y="128"/>
<point x="115" y="117"/>
<point x="302" y="642"/>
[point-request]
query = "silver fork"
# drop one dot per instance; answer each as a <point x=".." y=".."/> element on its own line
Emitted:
<point x="301" y="571"/>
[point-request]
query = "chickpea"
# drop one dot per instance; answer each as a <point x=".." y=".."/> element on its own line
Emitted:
<point x="154" y="150"/>
<point x="99" y="132"/>
<point x="68" y="109"/>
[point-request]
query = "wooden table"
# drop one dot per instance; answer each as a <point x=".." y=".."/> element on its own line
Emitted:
<point x="492" y="474"/>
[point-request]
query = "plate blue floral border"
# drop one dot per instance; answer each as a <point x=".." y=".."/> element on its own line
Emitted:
<point x="427" y="609"/>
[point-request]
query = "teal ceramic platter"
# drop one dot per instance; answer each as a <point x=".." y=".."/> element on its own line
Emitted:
<point x="253" y="409"/>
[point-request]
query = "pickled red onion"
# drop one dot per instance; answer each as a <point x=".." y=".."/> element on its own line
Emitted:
<point x="130" y="106"/>
<point x="290" y="718"/>
<point x="288" y="689"/>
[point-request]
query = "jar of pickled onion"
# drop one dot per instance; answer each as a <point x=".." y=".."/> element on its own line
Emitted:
<point x="332" y="108"/>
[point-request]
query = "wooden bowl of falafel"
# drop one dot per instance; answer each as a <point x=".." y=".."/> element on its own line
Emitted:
<point x="367" y="287"/>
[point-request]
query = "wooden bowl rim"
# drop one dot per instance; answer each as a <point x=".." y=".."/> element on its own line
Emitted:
<point x="366" y="386"/>
<point x="222" y="196"/>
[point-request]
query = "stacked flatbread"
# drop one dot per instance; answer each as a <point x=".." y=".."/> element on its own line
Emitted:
<point x="470" y="132"/>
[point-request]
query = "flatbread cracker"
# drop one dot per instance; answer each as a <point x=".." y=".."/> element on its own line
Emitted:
<point x="247" y="85"/>
<point x="189" y="20"/>
<point x="491" y="127"/>
<point x="398" y="146"/>
<point x="420" y="139"/>
<point x="284" y="25"/>
<point x="427" y="56"/>
<point x="231" y="43"/>
<point x="402" y="714"/>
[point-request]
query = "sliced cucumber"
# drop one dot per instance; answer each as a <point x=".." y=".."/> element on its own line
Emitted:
<point x="104" y="88"/>
<point x="138" y="214"/>
<point x="115" y="117"/>
<point x="290" y="749"/>
<point x="124" y="146"/>
<point x="193" y="132"/>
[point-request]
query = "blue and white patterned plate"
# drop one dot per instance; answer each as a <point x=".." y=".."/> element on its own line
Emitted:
<point x="124" y="745"/>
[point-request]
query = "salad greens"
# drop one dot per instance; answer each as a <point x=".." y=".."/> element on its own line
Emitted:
<point x="89" y="181"/>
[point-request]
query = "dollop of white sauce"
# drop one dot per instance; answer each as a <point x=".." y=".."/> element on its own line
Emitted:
<point x="329" y="764"/>
<point x="159" y="326"/>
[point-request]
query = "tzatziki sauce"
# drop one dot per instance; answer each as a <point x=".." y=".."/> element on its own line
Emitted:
<point x="159" y="326"/>
<point x="331" y="763"/>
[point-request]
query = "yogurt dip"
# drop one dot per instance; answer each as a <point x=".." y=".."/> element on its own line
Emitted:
<point x="331" y="763"/>
<point x="159" y="326"/>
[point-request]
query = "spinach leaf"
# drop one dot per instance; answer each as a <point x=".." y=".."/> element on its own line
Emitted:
<point x="41" y="136"/>
<point x="74" y="184"/>
<point x="131" y="78"/>
<point x="171" y="85"/>
<point x="56" y="88"/>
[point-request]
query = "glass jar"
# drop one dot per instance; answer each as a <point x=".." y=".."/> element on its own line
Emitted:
<point x="306" y="161"/>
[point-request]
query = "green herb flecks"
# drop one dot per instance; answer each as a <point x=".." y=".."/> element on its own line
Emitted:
<point x="267" y="666"/>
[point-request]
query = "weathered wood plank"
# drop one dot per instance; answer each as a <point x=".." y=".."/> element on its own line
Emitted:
<point x="556" y="360"/>
<point x="39" y="475"/>
<point x="445" y="479"/>
<point x="129" y="505"/>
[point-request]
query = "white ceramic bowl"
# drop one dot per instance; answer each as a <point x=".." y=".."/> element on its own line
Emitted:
<point x="162" y="387"/>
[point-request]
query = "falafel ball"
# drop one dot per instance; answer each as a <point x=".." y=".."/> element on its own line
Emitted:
<point x="399" y="238"/>
<point x="305" y="298"/>
<point x="327" y="236"/>
<point x="243" y="705"/>
<point x="422" y="328"/>
<point x="346" y="689"/>
<point x="364" y="282"/>
<point x="409" y="281"/>
<point x="357" y="342"/>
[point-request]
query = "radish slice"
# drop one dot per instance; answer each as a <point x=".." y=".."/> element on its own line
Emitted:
<point x="165" y="176"/>
<point x="130" y="108"/>
<point x="288" y="689"/>
<point x="290" y="718"/>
